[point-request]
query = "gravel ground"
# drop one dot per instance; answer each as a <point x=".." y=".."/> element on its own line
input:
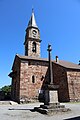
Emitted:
<point x="24" y="112"/>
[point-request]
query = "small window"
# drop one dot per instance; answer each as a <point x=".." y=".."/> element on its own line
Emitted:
<point x="34" y="47"/>
<point x="33" y="79"/>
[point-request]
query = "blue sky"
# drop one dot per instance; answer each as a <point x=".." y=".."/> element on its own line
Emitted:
<point x="59" y="24"/>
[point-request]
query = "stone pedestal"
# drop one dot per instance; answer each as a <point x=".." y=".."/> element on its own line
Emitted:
<point x="46" y="95"/>
<point x="53" y="96"/>
<point x="51" y="104"/>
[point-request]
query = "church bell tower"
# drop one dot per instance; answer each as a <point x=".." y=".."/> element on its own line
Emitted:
<point x="32" y="38"/>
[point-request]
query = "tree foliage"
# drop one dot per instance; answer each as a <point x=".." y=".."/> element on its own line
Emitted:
<point x="7" y="92"/>
<point x="6" y="89"/>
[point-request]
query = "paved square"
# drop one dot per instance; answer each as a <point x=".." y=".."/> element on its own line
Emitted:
<point x="24" y="112"/>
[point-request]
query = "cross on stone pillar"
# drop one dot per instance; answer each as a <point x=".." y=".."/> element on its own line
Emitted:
<point x="51" y="104"/>
<point x="50" y="65"/>
<point x="51" y="95"/>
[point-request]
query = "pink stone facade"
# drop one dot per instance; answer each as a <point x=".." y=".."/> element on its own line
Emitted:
<point x="22" y="86"/>
<point x="15" y="91"/>
<point x="69" y="83"/>
<point x="25" y="88"/>
<point x="60" y="78"/>
<point x="28" y="89"/>
<point x="73" y="78"/>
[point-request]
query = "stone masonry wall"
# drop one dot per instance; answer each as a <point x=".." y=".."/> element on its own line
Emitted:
<point x="16" y="81"/>
<point x="60" y="78"/>
<point x="24" y="87"/>
<point x="28" y="89"/>
<point x="74" y="85"/>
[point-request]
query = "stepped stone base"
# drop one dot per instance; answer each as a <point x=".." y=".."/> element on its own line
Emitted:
<point x="51" y="109"/>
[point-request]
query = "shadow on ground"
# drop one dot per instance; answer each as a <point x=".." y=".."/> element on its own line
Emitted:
<point x="32" y="110"/>
<point x="75" y="118"/>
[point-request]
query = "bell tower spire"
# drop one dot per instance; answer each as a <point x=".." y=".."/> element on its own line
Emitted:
<point x="32" y="21"/>
<point x="32" y="38"/>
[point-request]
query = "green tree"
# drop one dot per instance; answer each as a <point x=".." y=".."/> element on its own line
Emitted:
<point x="7" y="91"/>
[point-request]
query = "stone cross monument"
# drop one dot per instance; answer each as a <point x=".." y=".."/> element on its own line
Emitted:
<point x="50" y="65"/>
<point x="51" y="104"/>
<point x="51" y="95"/>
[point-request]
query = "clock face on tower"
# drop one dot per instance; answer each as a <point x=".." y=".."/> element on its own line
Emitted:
<point x="34" y="32"/>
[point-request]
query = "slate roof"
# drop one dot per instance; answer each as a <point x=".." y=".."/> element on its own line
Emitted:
<point x="63" y="63"/>
<point x="67" y="64"/>
<point x="31" y="58"/>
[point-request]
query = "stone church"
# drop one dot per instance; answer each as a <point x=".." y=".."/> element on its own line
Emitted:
<point x="30" y="72"/>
